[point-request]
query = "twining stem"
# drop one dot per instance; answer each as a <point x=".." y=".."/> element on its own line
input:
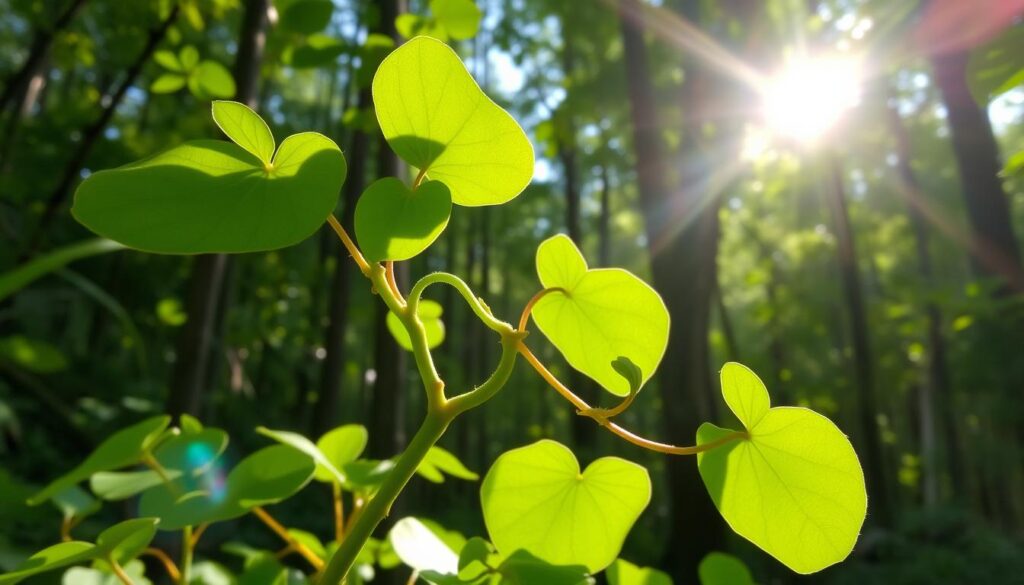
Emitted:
<point x="119" y="572"/>
<point x="419" y="178"/>
<point x="353" y="251"/>
<point x="169" y="566"/>
<point x="185" y="574"/>
<point x="339" y="512"/>
<point x="524" y="319"/>
<point x="282" y="532"/>
<point x="586" y="410"/>
<point x="429" y="433"/>
<point x="389" y="269"/>
<point x="478" y="307"/>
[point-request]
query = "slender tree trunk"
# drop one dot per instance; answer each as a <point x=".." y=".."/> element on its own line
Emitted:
<point x="387" y="411"/>
<point x="327" y="413"/>
<point x="37" y="54"/>
<point x="863" y="362"/>
<point x="936" y="391"/>
<point x="604" y="232"/>
<point x="91" y="134"/>
<point x="996" y="252"/>
<point x="682" y="232"/>
<point x="205" y="289"/>
<point x="725" y="321"/>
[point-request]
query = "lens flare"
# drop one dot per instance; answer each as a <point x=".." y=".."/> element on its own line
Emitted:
<point x="810" y="96"/>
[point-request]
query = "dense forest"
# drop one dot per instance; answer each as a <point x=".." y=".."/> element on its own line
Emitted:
<point x="830" y="192"/>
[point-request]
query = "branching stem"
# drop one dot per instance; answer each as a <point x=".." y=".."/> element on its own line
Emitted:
<point x="282" y="532"/>
<point x="166" y="561"/>
<point x="119" y="572"/>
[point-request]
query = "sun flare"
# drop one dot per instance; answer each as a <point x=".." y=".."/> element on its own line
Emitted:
<point x="809" y="96"/>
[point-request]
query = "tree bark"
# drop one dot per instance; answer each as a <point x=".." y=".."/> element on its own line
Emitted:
<point x="682" y="233"/>
<point x="205" y="313"/>
<point x="327" y="413"/>
<point x="863" y="362"/>
<point x="995" y="246"/>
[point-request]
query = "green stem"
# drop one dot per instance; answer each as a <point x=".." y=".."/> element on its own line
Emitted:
<point x="458" y="284"/>
<point x="432" y="429"/>
<point x="186" y="555"/>
<point x="119" y="571"/>
<point x="487" y="390"/>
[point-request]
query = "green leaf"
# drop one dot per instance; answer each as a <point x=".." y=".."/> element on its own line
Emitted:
<point x="135" y="570"/>
<point x="32" y="354"/>
<point x="266" y="477"/>
<point x="168" y="83"/>
<point x="435" y="117"/>
<point x="341" y="446"/>
<point x="366" y="475"/>
<point x="319" y="50"/>
<point x="997" y="67"/>
<point x="558" y="514"/>
<point x="74" y="502"/>
<point x="412" y="25"/>
<point x="794" y="487"/>
<point x="307" y="16"/>
<point x="120" y="485"/>
<point x="523" y="568"/>
<point x="121" y="449"/>
<point x="211" y="196"/>
<point x="438" y="462"/>
<point x="630" y="371"/>
<point x="474" y="558"/>
<point x="395" y="223"/>
<point x="168" y="60"/>
<point x="211" y="80"/>
<point x="422" y="549"/>
<point x="626" y="573"/>
<point x="245" y="128"/>
<point x="125" y="541"/>
<point x="460" y="18"/>
<point x="48" y="559"/>
<point x="14" y="280"/>
<point x="324" y="466"/>
<point x="430" y="314"/>
<point x="603" y="315"/>
<point x="188" y="57"/>
<point x="718" y="568"/>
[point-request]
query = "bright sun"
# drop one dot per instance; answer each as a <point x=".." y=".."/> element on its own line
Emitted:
<point x="809" y="96"/>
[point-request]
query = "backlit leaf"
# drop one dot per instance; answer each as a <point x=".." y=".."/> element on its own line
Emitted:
<point x="168" y="83"/>
<point x="536" y="499"/>
<point x="211" y="80"/>
<point x="341" y="446"/>
<point x="721" y="569"/>
<point x="603" y="315"/>
<point x="396" y="223"/>
<point x="439" y="462"/>
<point x="794" y="487"/>
<point x="626" y="573"/>
<point x="48" y="559"/>
<point x="435" y="117"/>
<point x="459" y="18"/>
<point x="245" y="128"/>
<point x="422" y="549"/>
<point x="430" y="314"/>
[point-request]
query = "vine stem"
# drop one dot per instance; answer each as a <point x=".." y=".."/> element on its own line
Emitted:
<point x="282" y="532"/>
<point x="353" y="251"/>
<point x="185" y="574"/>
<point x="169" y="566"/>
<point x="119" y="572"/>
<point x="586" y="410"/>
<point x="339" y="512"/>
<point x="524" y="319"/>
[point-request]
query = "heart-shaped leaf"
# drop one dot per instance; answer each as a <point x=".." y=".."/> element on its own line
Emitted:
<point x="245" y="128"/>
<point x="121" y="449"/>
<point x="341" y="446"/>
<point x="602" y="316"/>
<point x="623" y="572"/>
<point x="394" y="223"/>
<point x="535" y="498"/>
<point x="430" y="314"/>
<point x="793" y="487"/>
<point x="718" y="568"/>
<point x="434" y="116"/>
<point x="211" y="196"/>
<point x="523" y="568"/>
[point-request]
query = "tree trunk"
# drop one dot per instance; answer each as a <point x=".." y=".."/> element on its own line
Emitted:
<point x="91" y="134"/>
<point x="327" y="413"/>
<point x="863" y="363"/>
<point x="205" y="312"/>
<point x="604" y="232"/>
<point x="936" y="391"/>
<point x="37" y="54"/>
<point x="977" y="155"/>
<point x="682" y="233"/>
